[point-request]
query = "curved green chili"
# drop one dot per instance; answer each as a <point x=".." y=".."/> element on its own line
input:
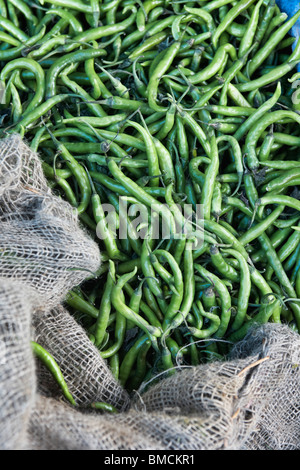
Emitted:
<point x="158" y="72"/>
<point x="229" y="18"/>
<point x="211" y="329"/>
<point x="53" y="367"/>
<point x="38" y="72"/>
<point x="123" y="309"/>
<point x="64" y="61"/>
<point x="222" y="290"/>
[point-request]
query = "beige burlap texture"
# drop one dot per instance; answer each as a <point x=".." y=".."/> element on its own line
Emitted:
<point x="248" y="402"/>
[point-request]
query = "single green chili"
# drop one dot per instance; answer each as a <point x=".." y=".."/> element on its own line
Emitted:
<point x="218" y="260"/>
<point x="53" y="366"/>
<point x="222" y="290"/>
<point x="229" y="18"/>
<point x="104" y="311"/>
<point x="130" y="358"/>
<point x="160" y="69"/>
<point x="261" y="227"/>
<point x="153" y="161"/>
<point x="116" y="298"/>
<point x="211" y="329"/>
<point x="189" y="291"/>
<point x="38" y="72"/>
<point x="78" y="56"/>
<point x="78" y="172"/>
<point x="209" y="181"/>
<point x="248" y="38"/>
<point x="103" y="406"/>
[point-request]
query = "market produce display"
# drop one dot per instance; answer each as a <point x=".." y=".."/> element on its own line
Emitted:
<point x="166" y="107"/>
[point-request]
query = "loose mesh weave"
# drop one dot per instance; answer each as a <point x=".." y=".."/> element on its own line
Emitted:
<point x="248" y="402"/>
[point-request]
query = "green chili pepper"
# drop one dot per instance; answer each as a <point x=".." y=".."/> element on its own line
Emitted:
<point x="270" y="307"/>
<point x="62" y="62"/>
<point x="103" y="406"/>
<point x="222" y="266"/>
<point x="130" y="358"/>
<point x="248" y="38"/>
<point x="160" y="70"/>
<point x="141" y="366"/>
<point x="104" y="311"/>
<point x="38" y="71"/>
<point x="271" y="44"/>
<point x="211" y="329"/>
<point x="189" y="292"/>
<point x="52" y="365"/>
<point x="210" y="176"/>
<point x="123" y="309"/>
<point x="153" y="161"/>
<point x="78" y="172"/>
<point x="231" y="15"/>
<point x="260" y="113"/>
<point x="224" y="295"/>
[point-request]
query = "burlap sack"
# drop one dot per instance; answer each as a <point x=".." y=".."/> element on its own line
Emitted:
<point x="248" y="401"/>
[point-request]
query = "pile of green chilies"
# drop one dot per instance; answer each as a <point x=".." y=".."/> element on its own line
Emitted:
<point x="166" y="103"/>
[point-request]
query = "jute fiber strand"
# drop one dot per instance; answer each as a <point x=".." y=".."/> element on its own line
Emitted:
<point x="250" y="401"/>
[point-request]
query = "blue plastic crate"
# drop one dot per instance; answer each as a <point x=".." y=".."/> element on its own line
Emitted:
<point x="290" y="7"/>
